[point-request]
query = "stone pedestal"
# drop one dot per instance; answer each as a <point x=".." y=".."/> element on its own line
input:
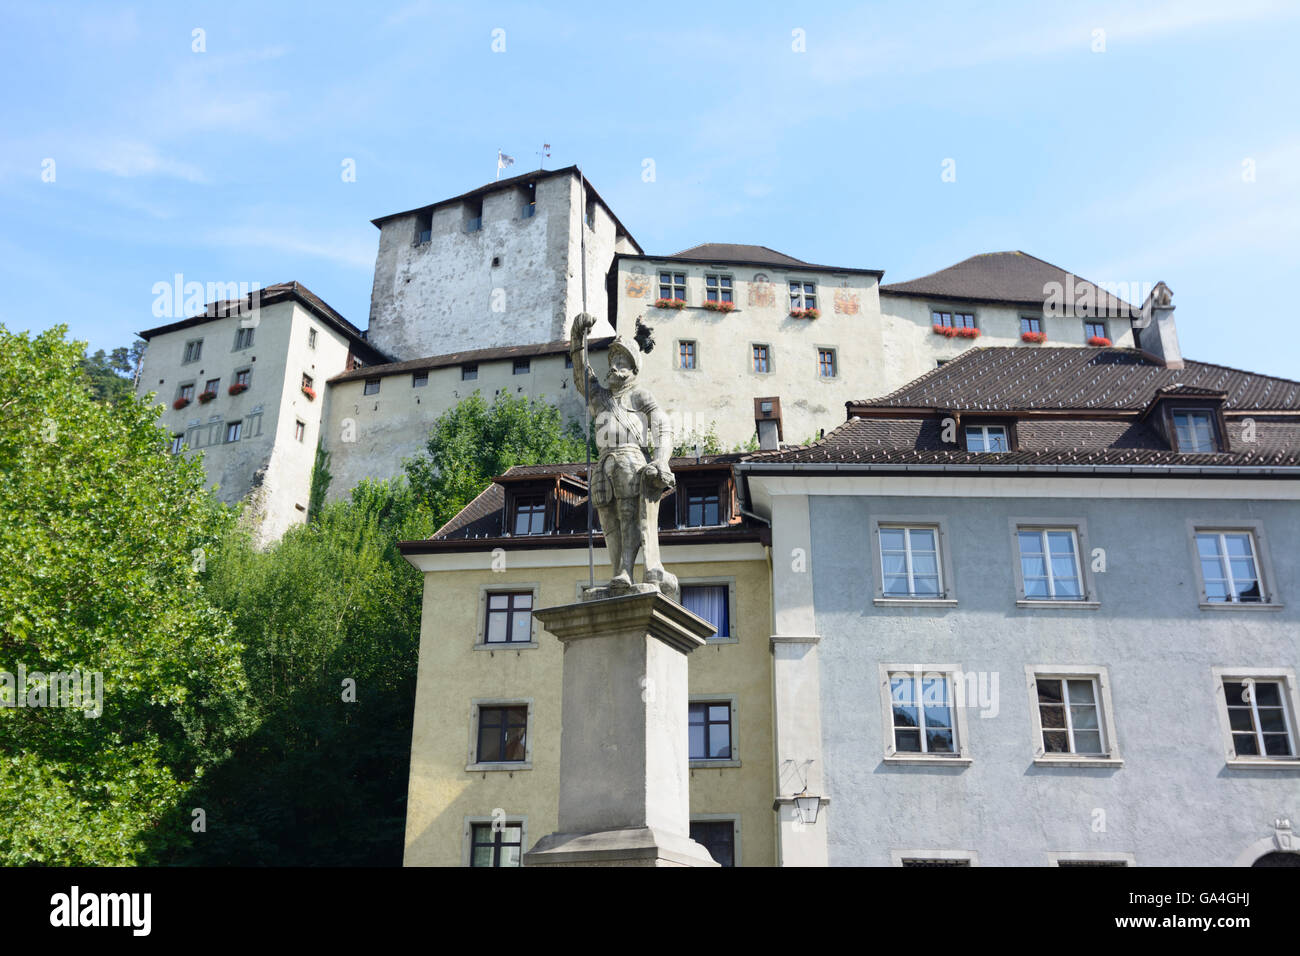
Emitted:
<point x="624" y="771"/>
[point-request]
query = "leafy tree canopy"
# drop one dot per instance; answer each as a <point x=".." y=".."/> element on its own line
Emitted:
<point x="102" y="540"/>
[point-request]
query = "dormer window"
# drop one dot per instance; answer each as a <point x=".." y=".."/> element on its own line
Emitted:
<point x="702" y="505"/>
<point x="529" y="515"/>
<point x="1194" y="431"/>
<point x="987" y="438"/>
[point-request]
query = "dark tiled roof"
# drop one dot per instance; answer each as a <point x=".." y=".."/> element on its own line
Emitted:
<point x="1015" y="277"/>
<point x="1070" y="406"/>
<point x="1099" y="379"/>
<point x="916" y="441"/>
<point x="482" y="516"/>
<point x="742" y="254"/>
<point x="461" y="358"/>
<point x="736" y="252"/>
<point x="271" y="294"/>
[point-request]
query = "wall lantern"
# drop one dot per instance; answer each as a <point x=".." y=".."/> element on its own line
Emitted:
<point x="807" y="807"/>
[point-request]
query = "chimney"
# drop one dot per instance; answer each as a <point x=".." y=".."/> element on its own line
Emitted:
<point x="767" y="420"/>
<point x="1155" y="331"/>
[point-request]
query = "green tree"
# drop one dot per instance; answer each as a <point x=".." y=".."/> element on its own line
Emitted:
<point x="330" y="620"/>
<point x="110" y="376"/>
<point x="103" y="538"/>
<point x="474" y="441"/>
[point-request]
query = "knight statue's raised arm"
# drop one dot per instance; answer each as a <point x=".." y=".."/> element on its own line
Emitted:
<point x="581" y="328"/>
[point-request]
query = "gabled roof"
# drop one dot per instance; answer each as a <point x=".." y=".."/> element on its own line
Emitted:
<point x="1013" y="277"/>
<point x="736" y="252"/>
<point x="1100" y="379"/>
<point x="270" y="295"/>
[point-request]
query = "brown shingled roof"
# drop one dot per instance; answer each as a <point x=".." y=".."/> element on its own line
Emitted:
<point x="1037" y="378"/>
<point x="1072" y="407"/>
<point x="482" y="516"/>
<point x="1014" y="277"/>
<point x="737" y="252"/>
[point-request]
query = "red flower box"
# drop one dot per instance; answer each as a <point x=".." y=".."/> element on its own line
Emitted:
<point x="805" y="313"/>
<point x="670" y="303"/>
<point x="956" y="331"/>
<point x="720" y="306"/>
<point x="180" y="403"/>
<point x="1099" y="340"/>
<point x="205" y="397"/>
<point x="237" y="389"/>
<point x="309" y="392"/>
<point x="1036" y="338"/>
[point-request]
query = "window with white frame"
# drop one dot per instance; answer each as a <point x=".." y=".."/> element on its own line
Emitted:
<point x="1049" y="564"/>
<point x="243" y="338"/>
<point x="1069" y="713"/>
<point x="1229" y="566"/>
<point x="1259" y="720"/>
<point x="922" y="707"/>
<point x="717" y="288"/>
<point x="803" y="295"/>
<point x="234" y="430"/>
<point x="371" y="387"/>
<point x="193" y="351"/>
<point x="311" y="338"/>
<point x="953" y="320"/>
<point x="299" y="430"/>
<point x="826" y="363"/>
<point x="1072" y="716"/>
<point x="987" y="438"/>
<point x="1028" y="324"/>
<point x="909" y="562"/>
<point x="1194" y="432"/>
<point x="178" y="442"/>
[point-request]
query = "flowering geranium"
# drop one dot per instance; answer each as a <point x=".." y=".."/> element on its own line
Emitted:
<point x="720" y="306"/>
<point x="180" y="403"/>
<point x="1099" y="340"/>
<point x="1036" y="338"/>
<point x="670" y="303"/>
<point x="205" y="397"/>
<point x="956" y="331"/>
<point x="309" y="392"/>
<point x="237" y="389"/>
<point x="805" y="313"/>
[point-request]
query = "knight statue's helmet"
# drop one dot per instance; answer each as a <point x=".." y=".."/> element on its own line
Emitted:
<point x="628" y="348"/>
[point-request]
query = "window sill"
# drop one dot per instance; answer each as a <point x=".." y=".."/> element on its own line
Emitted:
<point x="1262" y="763"/>
<point x="1029" y="602"/>
<point x="927" y="760"/>
<point x="1239" y="606"/>
<point x="914" y="602"/>
<point x="723" y="640"/>
<point x="1074" y="760"/>
<point x="504" y="765"/>
<point x="713" y="764"/>
<point x="506" y="646"/>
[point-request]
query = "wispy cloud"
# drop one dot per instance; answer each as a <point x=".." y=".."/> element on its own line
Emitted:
<point x="130" y="158"/>
<point x="346" y="249"/>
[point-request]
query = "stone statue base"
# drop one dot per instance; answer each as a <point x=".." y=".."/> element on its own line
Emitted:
<point x="624" y="755"/>
<point x="634" y="846"/>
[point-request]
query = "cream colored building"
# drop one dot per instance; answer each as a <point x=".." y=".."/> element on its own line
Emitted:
<point x="476" y="292"/>
<point x="469" y="676"/>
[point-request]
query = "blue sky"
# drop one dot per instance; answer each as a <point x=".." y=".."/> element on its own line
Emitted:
<point x="1127" y="165"/>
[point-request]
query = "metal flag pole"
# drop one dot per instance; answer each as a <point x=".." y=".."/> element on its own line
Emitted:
<point x="586" y="376"/>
